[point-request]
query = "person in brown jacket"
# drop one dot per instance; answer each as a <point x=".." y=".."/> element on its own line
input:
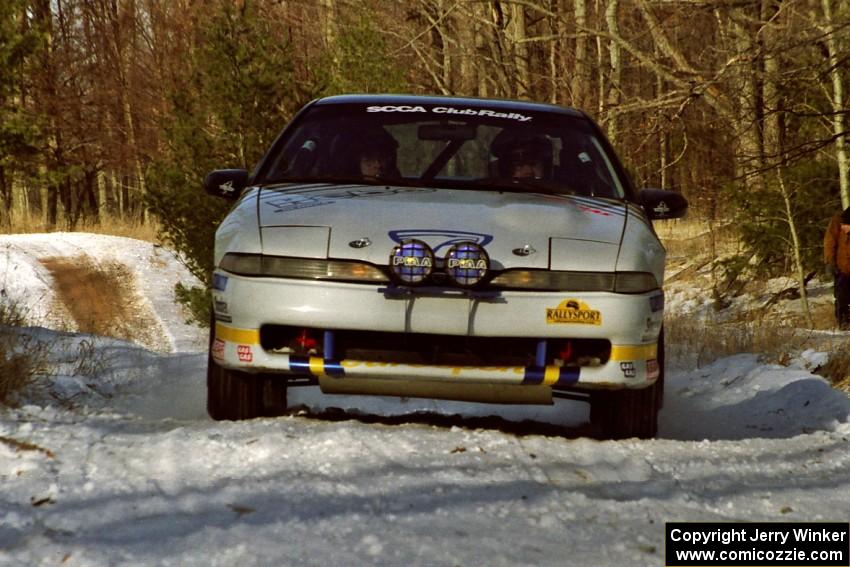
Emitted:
<point x="836" y="254"/>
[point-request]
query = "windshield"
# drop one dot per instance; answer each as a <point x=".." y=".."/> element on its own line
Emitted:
<point x="438" y="145"/>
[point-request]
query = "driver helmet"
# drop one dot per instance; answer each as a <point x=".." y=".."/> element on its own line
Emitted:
<point x="375" y="151"/>
<point x="523" y="154"/>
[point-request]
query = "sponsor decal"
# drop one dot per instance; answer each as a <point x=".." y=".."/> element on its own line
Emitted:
<point x="446" y="238"/>
<point x="226" y="188"/>
<point x="467" y="264"/>
<point x="591" y="206"/>
<point x="245" y="353"/>
<point x="593" y="211"/>
<point x="573" y="311"/>
<point x="221" y="310"/>
<point x="652" y="370"/>
<point x="396" y="108"/>
<point x="628" y="369"/>
<point x="451" y="110"/>
<point x="283" y="203"/>
<point x="412" y="262"/>
<point x="219" y="282"/>
<point x="661" y="209"/>
<point x="217" y="350"/>
<point x="221" y="307"/>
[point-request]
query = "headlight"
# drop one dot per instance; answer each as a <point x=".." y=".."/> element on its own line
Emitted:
<point x="635" y="282"/>
<point x="300" y="268"/>
<point x="554" y="281"/>
<point x="544" y="280"/>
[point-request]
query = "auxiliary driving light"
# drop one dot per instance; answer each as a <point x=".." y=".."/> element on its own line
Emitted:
<point x="412" y="261"/>
<point x="467" y="264"/>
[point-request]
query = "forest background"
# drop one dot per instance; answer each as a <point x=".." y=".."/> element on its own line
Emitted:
<point x="114" y="110"/>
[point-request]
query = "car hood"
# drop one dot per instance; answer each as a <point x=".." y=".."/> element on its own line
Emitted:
<point x="366" y="221"/>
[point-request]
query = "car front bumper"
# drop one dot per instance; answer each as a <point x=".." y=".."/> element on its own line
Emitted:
<point x="630" y="322"/>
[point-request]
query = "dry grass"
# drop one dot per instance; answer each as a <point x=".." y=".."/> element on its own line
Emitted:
<point x="21" y="356"/>
<point x="691" y="239"/>
<point x="130" y="228"/>
<point x="707" y="341"/>
<point x="837" y="370"/>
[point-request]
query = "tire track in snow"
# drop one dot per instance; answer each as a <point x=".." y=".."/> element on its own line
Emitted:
<point x="103" y="300"/>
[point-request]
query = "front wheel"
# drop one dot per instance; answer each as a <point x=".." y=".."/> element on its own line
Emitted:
<point x="234" y="395"/>
<point x="620" y="414"/>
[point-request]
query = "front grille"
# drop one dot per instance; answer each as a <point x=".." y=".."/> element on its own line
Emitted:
<point x="423" y="348"/>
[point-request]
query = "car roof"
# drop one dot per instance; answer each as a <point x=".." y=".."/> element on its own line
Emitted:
<point x="413" y="100"/>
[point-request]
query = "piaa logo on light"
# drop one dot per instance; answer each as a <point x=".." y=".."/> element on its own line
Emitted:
<point x="412" y="261"/>
<point x="467" y="264"/>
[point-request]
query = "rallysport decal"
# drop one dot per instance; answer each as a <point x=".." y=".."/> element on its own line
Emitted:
<point x="451" y="110"/>
<point x="451" y="237"/>
<point x="574" y="312"/>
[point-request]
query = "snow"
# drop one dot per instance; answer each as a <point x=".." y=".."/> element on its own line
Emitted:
<point x="111" y="460"/>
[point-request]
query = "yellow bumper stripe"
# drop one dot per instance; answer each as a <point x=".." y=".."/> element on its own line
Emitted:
<point x="234" y="335"/>
<point x="551" y="375"/>
<point x="317" y="366"/>
<point x="634" y="352"/>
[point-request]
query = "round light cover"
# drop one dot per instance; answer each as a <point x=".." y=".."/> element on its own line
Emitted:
<point x="467" y="264"/>
<point x="412" y="261"/>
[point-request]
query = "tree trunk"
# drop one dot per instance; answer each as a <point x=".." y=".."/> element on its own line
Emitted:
<point x="614" y="79"/>
<point x="126" y="204"/>
<point x="520" y="51"/>
<point x="750" y="152"/>
<point x="795" y="242"/>
<point x="468" y="50"/>
<point x="553" y="49"/>
<point x="103" y="210"/>
<point x="837" y="101"/>
<point x="6" y="207"/>
<point x="581" y="74"/>
<point x="52" y="206"/>
<point x="328" y="21"/>
<point x="67" y="199"/>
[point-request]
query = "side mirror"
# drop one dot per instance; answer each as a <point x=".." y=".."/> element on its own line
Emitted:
<point x="660" y="204"/>
<point x="226" y="183"/>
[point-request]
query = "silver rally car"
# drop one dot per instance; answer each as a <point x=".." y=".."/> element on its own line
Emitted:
<point x="455" y="248"/>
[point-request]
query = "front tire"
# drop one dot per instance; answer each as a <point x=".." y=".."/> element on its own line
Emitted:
<point x="234" y="395"/>
<point x="621" y="414"/>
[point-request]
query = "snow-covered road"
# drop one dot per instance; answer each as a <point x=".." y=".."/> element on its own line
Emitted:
<point x="119" y="465"/>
